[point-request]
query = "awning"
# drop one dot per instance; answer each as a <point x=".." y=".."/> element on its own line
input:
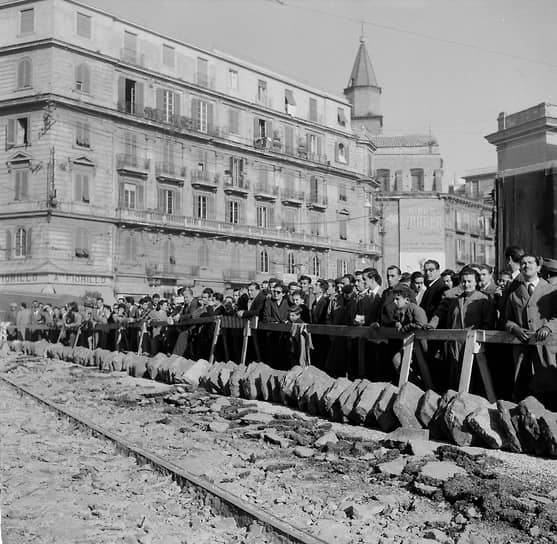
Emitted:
<point x="289" y="95"/>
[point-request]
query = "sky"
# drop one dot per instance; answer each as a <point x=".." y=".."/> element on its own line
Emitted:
<point x="445" y="66"/>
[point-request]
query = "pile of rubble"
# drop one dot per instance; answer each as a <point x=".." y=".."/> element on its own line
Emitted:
<point x="461" y="418"/>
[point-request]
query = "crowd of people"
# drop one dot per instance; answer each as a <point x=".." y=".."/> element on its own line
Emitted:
<point x="521" y="300"/>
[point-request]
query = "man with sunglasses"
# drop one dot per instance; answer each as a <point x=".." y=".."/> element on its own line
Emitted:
<point x="276" y="310"/>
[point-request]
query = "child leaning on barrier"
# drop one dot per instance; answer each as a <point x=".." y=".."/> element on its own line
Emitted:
<point x="408" y="315"/>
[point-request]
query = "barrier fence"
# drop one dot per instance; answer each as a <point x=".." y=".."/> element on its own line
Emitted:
<point x="413" y="344"/>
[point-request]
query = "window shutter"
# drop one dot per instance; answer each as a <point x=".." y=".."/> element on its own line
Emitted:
<point x="86" y="80"/>
<point x="210" y="207"/>
<point x="336" y="152"/>
<point x="85" y="187"/>
<point x="85" y="240"/>
<point x="319" y="145"/>
<point x="196" y="112"/>
<point x="256" y="133"/>
<point x="308" y="144"/>
<point x="24" y="177"/>
<point x="121" y="195"/>
<point x="177" y="109"/>
<point x="27" y="74"/>
<point x="177" y="202"/>
<point x="77" y="241"/>
<point x="242" y="212"/>
<point x="8" y="245"/>
<point x="269" y="129"/>
<point x="10" y="133"/>
<point x="210" y="117"/>
<point x="122" y="92"/>
<point x="139" y="98"/>
<point x="160" y="99"/>
<point x="78" y="187"/>
<point x="347" y="153"/>
<point x="20" y="74"/>
<point x="86" y="134"/>
<point x="160" y="205"/>
<point x="28" y="241"/>
<point x="270" y="217"/>
<point x="139" y="193"/>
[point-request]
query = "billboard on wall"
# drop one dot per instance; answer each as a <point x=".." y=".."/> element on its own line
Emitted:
<point x="422" y="232"/>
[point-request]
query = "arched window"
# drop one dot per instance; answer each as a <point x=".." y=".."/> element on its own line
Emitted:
<point x="263" y="261"/>
<point x="341" y="153"/>
<point x="316" y="265"/>
<point x="82" y="78"/>
<point x="21" y="248"/>
<point x="290" y="264"/>
<point x="24" y="69"/>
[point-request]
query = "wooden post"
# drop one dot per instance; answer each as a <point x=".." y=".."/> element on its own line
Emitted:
<point x="76" y="339"/>
<point x="215" y="340"/>
<point x="422" y="363"/>
<point x="140" y="346"/>
<point x="255" y="324"/>
<point x="407" y="347"/>
<point x="486" y="376"/>
<point x="467" y="363"/>
<point x="247" y="334"/>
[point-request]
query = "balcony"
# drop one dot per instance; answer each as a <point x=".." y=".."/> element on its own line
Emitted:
<point x="132" y="165"/>
<point x="264" y="191"/>
<point x="170" y="172"/>
<point x="293" y="197"/>
<point x="132" y="56"/>
<point x="204" y="180"/>
<point x="130" y="107"/>
<point x="160" y="270"/>
<point x="149" y="217"/>
<point x="263" y="143"/>
<point x="238" y="185"/>
<point x="362" y="248"/>
<point x="317" y="201"/>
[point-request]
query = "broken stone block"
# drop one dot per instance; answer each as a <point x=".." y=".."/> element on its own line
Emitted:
<point x="287" y="386"/>
<point x="437" y="426"/>
<point x="177" y="367"/>
<point x="248" y="385"/>
<point x="257" y="418"/>
<point x="456" y="413"/>
<point x="483" y="423"/>
<point x="305" y="381"/>
<point x="304" y="452"/>
<point x="405" y="405"/>
<point x="219" y="426"/>
<point x="224" y="377"/>
<point x="263" y="382"/>
<point x="234" y="381"/>
<point x="548" y="429"/>
<point x="275" y="383"/>
<point x="525" y="420"/>
<point x="332" y="531"/>
<point x="137" y="366"/>
<point x="274" y="438"/>
<point x="365" y="511"/>
<point x="316" y="393"/>
<point x="362" y="413"/>
<point x="344" y="404"/>
<point x="506" y="428"/>
<point x="331" y="396"/>
<point x="115" y="361"/>
<point x="405" y="435"/>
<point x="193" y="373"/>
<point x="383" y="409"/>
<point x="326" y="438"/>
<point x="427" y="406"/>
<point x="392" y="468"/>
<point x="153" y="365"/>
<point x="441" y="471"/>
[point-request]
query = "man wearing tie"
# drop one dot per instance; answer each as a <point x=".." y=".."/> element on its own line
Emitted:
<point x="531" y="314"/>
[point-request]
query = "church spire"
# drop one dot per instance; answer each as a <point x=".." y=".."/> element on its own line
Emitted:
<point x="362" y="72"/>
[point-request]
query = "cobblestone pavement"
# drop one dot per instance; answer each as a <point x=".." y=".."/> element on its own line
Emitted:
<point x="339" y="495"/>
<point x="61" y="485"/>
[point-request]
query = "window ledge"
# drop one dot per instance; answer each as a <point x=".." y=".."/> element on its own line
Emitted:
<point x="22" y="89"/>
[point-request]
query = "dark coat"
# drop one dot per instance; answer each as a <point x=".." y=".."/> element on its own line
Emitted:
<point x="257" y="306"/>
<point x="369" y="305"/>
<point x="319" y="310"/>
<point x="432" y="297"/>
<point x="275" y="313"/>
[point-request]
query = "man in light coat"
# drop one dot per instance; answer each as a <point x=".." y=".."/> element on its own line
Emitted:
<point x="531" y="315"/>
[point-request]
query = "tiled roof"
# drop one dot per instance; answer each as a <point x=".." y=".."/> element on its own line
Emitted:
<point x="403" y="140"/>
<point x="362" y="71"/>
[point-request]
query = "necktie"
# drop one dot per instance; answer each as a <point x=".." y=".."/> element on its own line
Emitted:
<point x="530" y="289"/>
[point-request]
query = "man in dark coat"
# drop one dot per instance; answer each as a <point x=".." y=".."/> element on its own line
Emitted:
<point x="277" y="343"/>
<point x="434" y="288"/>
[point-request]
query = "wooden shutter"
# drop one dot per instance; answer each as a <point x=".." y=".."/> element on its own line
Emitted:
<point x="319" y="145"/>
<point x="122" y="92"/>
<point x="21" y="74"/>
<point x="337" y="154"/>
<point x="256" y="133"/>
<point x="210" y="117"/>
<point x="177" y="109"/>
<point x="78" y="187"/>
<point x="8" y="244"/>
<point x="270" y="217"/>
<point x="288" y="139"/>
<point x="85" y="187"/>
<point x="86" y="134"/>
<point x="210" y="207"/>
<point x="196" y="112"/>
<point x="139" y="193"/>
<point x="29" y="242"/>
<point x="121" y="195"/>
<point x="85" y="78"/>
<point x="234" y="121"/>
<point x="139" y="98"/>
<point x="177" y="202"/>
<point x="160" y="99"/>
<point x="242" y="212"/>
<point x="85" y="240"/>
<point x="160" y="202"/>
<point x="10" y="133"/>
<point x="347" y="153"/>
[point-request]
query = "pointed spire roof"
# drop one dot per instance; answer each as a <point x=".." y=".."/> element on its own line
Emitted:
<point x="362" y="72"/>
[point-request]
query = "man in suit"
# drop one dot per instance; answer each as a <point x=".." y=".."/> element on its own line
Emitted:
<point x="319" y="316"/>
<point x="434" y="288"/>
<point x="531" y="314"/>
<point x="256" y="302"/>
<point x="307" y="291"/>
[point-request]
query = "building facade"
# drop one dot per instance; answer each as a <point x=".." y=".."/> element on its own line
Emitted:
<point x="135" y="162"/>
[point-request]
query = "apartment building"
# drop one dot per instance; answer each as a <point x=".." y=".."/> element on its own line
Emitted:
<point x="135" y="162"/>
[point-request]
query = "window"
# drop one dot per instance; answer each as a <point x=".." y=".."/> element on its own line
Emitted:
<point x="233" y="80"/>
<point x="168" y="156"/>
<point x="21" y="182"/>
<point x="236" y="170"/>
<point x="417" y="177"/>
<point x="313" y="145"/>
<point x="262" y="91"/>
<point x="290" y="263"/>
<point x="261" y="132"/>
<point x="479" y="253"/>
<point x="27" y="21"/>
<point x="168" y="201"/>
<point x="202" y="72"/>
<point x="343" y="226"/>
<point x="474" y="188"/>
<point x="461" y="255"/>
<point x="202" y="113"/>
<point x="18" y="132"/>
<point x="265" y="215"/>
<point x="234" y="121"/>
<point x="81" y="187"/>
<point x="82" y="244"/>
<point x="168" y="105"/>
<point x="234" y="212"/>
<point x="84" y="25"/>
<point x="263" y="261"/>
<point x="130" y="248"/>
<point x="289" y="102"/>
<point x="316" y="224"/>
<point x="130" y="96"/>
<point x="82" y="78"/>
<point x="82" y="134"/>
<point x="24" y="70"/>
<point x="290" y="220"/>
<point x="313" y="109"/>
<point x="383" y="177"/>
<point x="342" y="267"/>
<point x="22" y="246"/>
<point x="130" y="196"/>
<point x="289" y="139"/>
<point x="204" y="206"/>
<point x="342" y="196"/>
<point x="399" y="178"/>
<point x="315" y="265"/>
<point x="341" y="117"/>
<point x="168" y="55"/>
<point x="129" y="52"/>
<point x="341" y="153"/>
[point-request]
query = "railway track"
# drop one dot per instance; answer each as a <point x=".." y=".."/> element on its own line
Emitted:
<point x="221" y="502"/>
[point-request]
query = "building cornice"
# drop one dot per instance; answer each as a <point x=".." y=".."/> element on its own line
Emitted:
<point x="438" y="196"/>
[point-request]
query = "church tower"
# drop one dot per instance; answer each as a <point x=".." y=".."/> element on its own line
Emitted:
<point x="364" y="94"/>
